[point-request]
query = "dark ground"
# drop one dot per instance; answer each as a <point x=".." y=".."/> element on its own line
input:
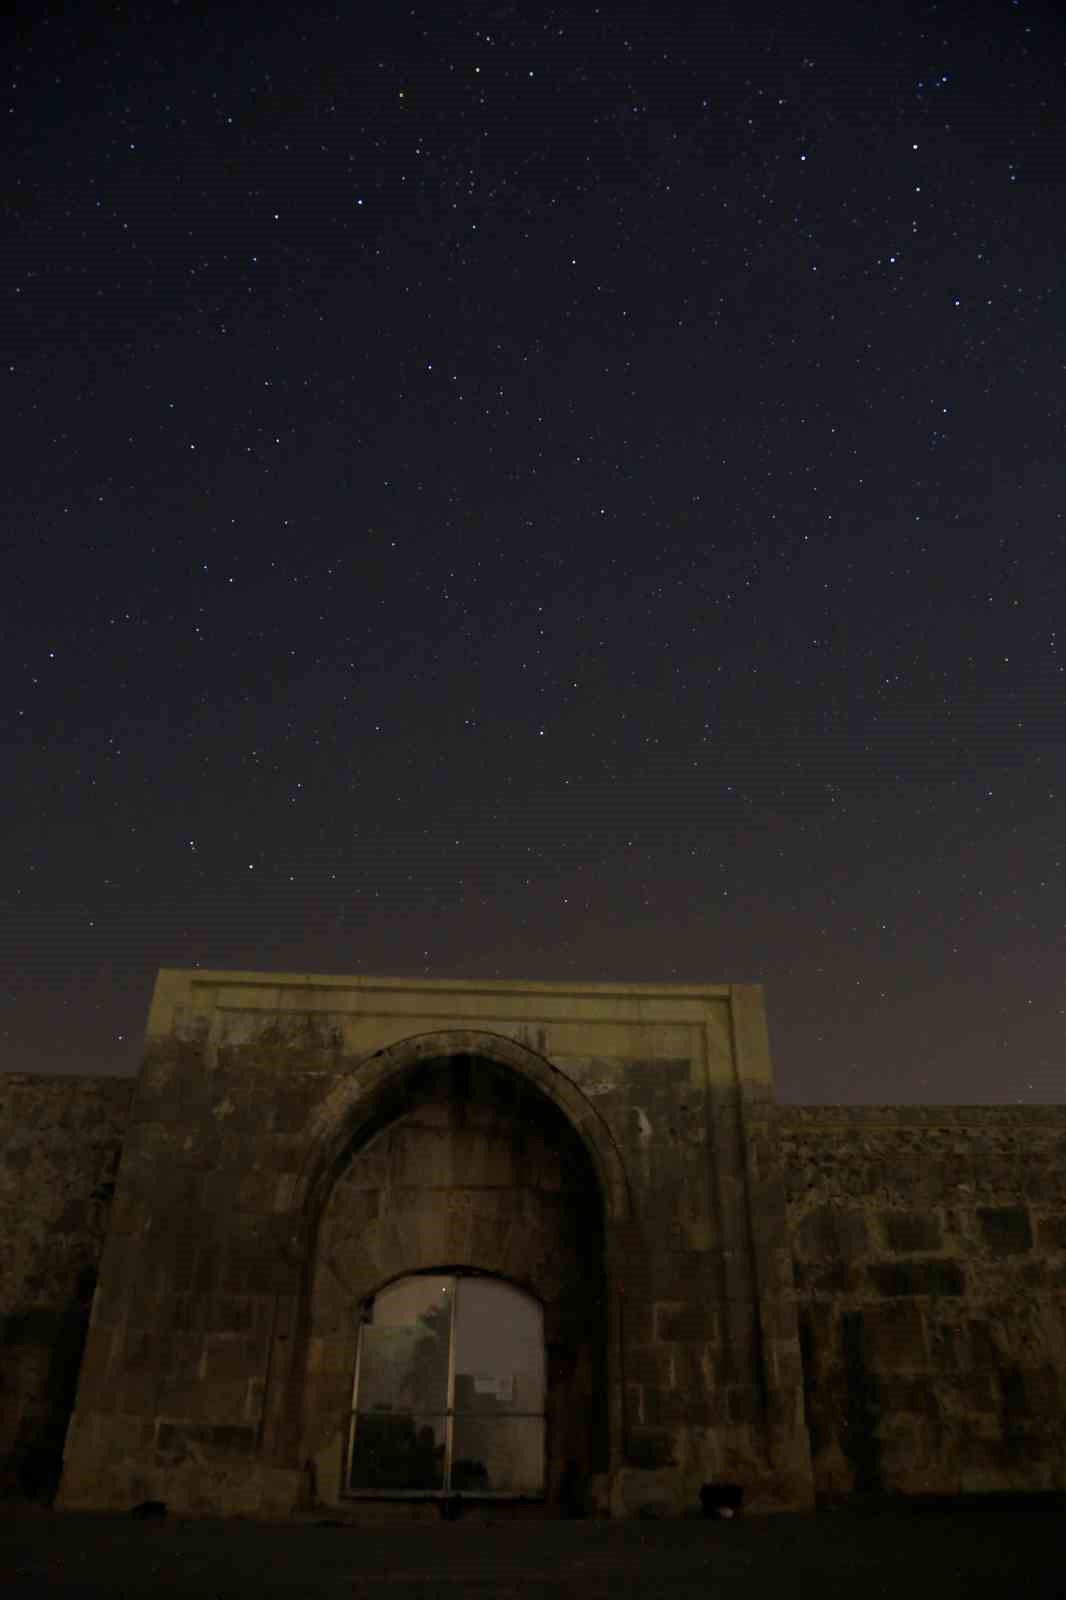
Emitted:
<point x="915" y="1553"/>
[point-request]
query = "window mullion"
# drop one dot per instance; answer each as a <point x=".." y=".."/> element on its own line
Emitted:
<point x="449" y="1421"/>
<point x="364" y="1317"/>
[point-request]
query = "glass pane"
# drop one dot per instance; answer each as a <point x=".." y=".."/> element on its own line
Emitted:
<point x="498" y="1455"/>
<point x="499" y="1349"/>
<point x="395" y="1450"/>
<point x="403" y="1351"/>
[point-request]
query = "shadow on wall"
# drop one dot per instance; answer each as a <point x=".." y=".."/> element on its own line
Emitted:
<point x="862" y="1409"/>
<point x="36" y="1458"/>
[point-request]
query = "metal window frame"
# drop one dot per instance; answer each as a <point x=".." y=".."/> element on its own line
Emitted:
<point x="449" y="1414"/>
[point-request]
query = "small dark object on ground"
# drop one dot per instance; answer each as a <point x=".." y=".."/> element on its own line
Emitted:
<point x="721" y="1500"/>
<point x="149" y="1508"/>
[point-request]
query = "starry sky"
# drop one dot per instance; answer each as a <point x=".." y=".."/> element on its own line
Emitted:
<point x="508" y="491"/>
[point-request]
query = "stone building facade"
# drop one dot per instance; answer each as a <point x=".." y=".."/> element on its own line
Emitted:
<point x="356" y="1244"/>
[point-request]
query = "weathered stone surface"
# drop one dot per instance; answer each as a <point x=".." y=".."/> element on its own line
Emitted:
<point x="828" y="1232"/>
<point x="717" y="1274"/>
<point x="1051" y="1233"/>
<point x="1006" y="1230"/>
<point x="640" y="1492"/>
<point x="936" y="1364"/>
<point x="917" y="1277"/>
<point x="909" y="1231"/>
<point x="60" y="1141"/>
<point x="650" y="1448"/>
<point x="297" y="1142"/>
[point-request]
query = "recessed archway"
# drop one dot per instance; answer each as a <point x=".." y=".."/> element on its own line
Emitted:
<point x="460" y="1154"/>
<point x="369" y="1096"/>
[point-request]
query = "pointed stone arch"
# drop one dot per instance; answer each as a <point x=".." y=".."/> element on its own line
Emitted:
<point x="373" y="1095"/>
<point x="369" y="1096"/>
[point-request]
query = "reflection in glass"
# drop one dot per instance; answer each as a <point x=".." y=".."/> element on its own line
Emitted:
<point x="403" y="1356"/>
<point x="450" y="1389"/>
<point x="499" y="1349"/>
<point x="398" y="1450"/>
<point x="498" y="1455"/>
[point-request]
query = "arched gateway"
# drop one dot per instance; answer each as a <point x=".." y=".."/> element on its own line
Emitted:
<point x="386" y="1237"/>
<point x="457" y="1332"/>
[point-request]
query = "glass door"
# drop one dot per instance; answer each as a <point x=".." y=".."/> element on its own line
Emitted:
<point x="449" y="1390"/>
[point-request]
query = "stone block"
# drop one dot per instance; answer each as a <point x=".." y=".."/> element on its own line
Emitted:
<point x="133" y="1392"/>
<point x="909" y="1232"/>
<point x="94" y="1376"/>
<point x="926" y="1277"/>
<point x="292" y="1101"/>
<point x="970" y="1392"/>
<point x="643" y="1492"/>
<point x="826" y="1233"/>
<point x="778" y="1277"/>
<point x="231" y="1356"/>
<point x="818" y="1338"/>
<point x="668" y="1408"/>
<point x="639" y="1320"/>
<point x="1039" y="1394"/>
<point x="129" y="1212"/>
<point x="179" y="1381"/>
<point x="328" y="1399"/>
<point x="652" y="1272"/>
<point x="251" y="1259"/>
<point x="1005" y="1230"/>
<point x="837" y="1279"/>
<point x="695" y="1367"/>
<point x="183" y="1313"/>
<point x="117" y="1265"/>
<point x="785" y="1366"/>
<point x="983" y="1344"/>
<point x="1051" y="1233"/>
<point x="235" y="1313"/>
<point x="767" y="1211"/>
<point x="171" y="1250"/>
<point x="650" y="1448"/>
<point x="745" y="1404"/>
<point x="739" y="1325"/>
<point x="916" y="1396"/>
<point x="676" y="1321"/>
<point x="893" y="1336"/>
<point x="653" y="1365"/>
<point x="179" y="1441"/>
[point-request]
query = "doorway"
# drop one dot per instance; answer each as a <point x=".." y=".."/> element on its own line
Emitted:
<point x="449" y="1393"/>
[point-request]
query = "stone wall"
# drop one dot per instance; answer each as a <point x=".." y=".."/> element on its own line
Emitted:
<point x="929" y="1252"/>
<point x="60" y="1140"/>
<point x="216" y="1366"/>
<point x="293" y="1143"/>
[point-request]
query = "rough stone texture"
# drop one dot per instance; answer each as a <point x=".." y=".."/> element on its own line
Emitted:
<point x="482" y="1172"/>
<point x="282" y="1123"/>
<point x="60" y="1140"/>
<point x="718" y="1275"/>
<point x="930" y="1273"/>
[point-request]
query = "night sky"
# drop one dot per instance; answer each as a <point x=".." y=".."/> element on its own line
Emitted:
<point x="518" y="492"/>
